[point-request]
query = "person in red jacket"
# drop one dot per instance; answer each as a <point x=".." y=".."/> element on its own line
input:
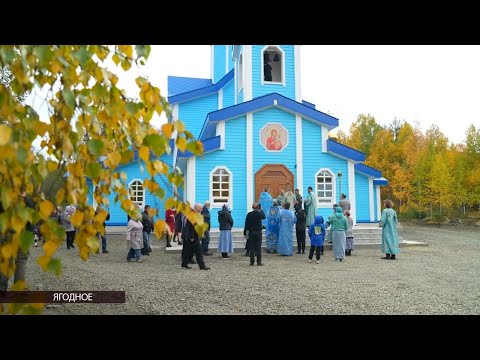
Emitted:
<point x="170" y="220"/>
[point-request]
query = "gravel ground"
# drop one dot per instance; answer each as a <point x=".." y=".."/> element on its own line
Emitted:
<point x="439" y="279"/>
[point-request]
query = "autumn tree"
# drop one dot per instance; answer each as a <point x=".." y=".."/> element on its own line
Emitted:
<point x="89" y="118"/>
<point x="363" y="133"/>
<point x="440" y="183"/>
<point x="472" y="166"/>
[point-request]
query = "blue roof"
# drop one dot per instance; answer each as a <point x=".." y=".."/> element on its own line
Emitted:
<point x="367" y="170"/>
<point x="264" y="102"/>
<point x="344" y="151"/>
<point x="209" y="145"/>
<point x="179" y="84"/>
<point x="309" y="104"/>
<point x="203" y="91"/>
<point x="380" y="182"/>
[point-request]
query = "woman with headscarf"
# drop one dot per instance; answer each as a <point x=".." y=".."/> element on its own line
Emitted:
<point x="311" y="205"/>
<point x="134" y="237"/>
<point x="68" y="226"/>
<point x="338" y="227"/>
<point x="388" y="222"/>
<point x="225" y="240"/>
<point x="273" y="228"/>
<point x="287" y="222"/>
<point x="265" y="200"/>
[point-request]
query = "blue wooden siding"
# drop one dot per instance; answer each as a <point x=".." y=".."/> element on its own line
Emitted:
<point x="361" y="190"/>
<point x="229" y="95"/>
<point x="219" y="52"/>
<point x="194" y="112"/>
<point x="261" y="156"/>
<point x="257" y="73"/>
<point x="134" y="171"/>
<point x="234" y="158"/>
<point x="314" y="160"/>
<point x="240" y="97"/>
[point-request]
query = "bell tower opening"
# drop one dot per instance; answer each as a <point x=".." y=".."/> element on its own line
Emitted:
<point x="273" y="66"/>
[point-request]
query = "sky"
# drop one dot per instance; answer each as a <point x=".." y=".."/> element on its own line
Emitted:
<point x="430" y="84"/>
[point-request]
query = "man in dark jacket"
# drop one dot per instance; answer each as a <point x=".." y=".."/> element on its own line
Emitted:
<point x="191" y="244"/>
<point x="147" y="229"/>
<point x="206" y="237"/>
<point x="253" y="228"/>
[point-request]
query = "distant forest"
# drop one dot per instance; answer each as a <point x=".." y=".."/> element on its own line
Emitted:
<point x="428" y="176"/>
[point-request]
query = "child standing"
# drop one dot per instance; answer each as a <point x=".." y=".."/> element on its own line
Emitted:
<point x="349" y="234"/>
<point x="316" y="232"/>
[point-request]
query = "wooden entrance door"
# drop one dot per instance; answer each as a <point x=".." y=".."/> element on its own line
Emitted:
<point x="274" y="177"/>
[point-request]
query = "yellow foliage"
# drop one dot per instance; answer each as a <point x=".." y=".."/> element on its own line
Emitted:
<point x="17" y="223"/>
<point x="60" y="195"/>
<point x="144" y="153"/>
<point x="179" y="126"/>
<point x="160" y="226"/>
<point x="167" y="130"/>
<point x="5" y="134"/>
<point x="113" y="159"/>
<point x="46" y="209"/>
<point x="77" y="218"/>
<point x="182" y="144"/>
<point x="50" y="247"/>
<point x="43" y="261"/>
<point x="90" y="117"/>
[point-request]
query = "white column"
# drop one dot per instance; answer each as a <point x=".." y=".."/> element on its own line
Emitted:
<point x="235" y="82"/>
<point x="220" y="99"/>
<point x="175" y="118"/>
<point x="226" y="59"/>
<point x="221" y="132"/>
<point x="249" y="144"/>
<point x="298" y="78"/>
<point x="299" y="152"/>
<point x="212" y="61"/>
<point x="370" y="199"/>
<point x="324" y="138"/>
<point x="351" y="191"/>
<point x="379" y="204"/>
<point x="247" y="63"/>
<point x="191" y="180"/>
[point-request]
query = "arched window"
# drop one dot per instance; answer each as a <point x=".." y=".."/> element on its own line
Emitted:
<point x="273" y="65"/>
<point x="221" y="187"/>
<point x="325" y="187"/>
<point x="137" y="193"/>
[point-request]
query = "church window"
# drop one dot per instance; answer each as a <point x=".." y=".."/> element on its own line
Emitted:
<point x="325" y="187"/>
<point x="137" y="193"/>
<point x="221" y="187"/>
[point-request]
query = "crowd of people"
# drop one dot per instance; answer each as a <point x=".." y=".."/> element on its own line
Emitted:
<point x="280" y="217"/>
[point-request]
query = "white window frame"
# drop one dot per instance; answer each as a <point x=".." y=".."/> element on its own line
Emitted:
<point x="326" y="204"/>
<point x="217" y="205"/>
<point x="142" y="204"/>
<point x="279" y="49"/>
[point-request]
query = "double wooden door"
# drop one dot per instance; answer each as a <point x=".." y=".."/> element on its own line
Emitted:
<point x="274" y="177"/>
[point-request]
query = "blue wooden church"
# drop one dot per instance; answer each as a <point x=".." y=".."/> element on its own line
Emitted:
<point x="258" y="132"/>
